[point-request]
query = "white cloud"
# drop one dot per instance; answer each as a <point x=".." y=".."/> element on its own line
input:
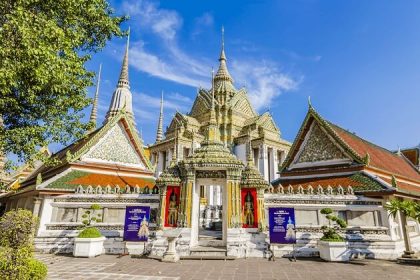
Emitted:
<point x="263" y="80"/>
<point x="178" y="66"/>
<point x="202" y="22"/>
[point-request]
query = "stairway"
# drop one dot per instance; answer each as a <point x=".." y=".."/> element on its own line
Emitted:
<point x="208" y="253"/>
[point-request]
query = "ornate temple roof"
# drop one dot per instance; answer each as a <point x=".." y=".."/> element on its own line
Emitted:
<point x="251" y="177"/>
<point x="323" y="148"/>
<point x="74" y="152"/>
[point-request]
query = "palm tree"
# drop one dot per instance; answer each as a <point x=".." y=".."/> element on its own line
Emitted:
<point x="406" y="208"/>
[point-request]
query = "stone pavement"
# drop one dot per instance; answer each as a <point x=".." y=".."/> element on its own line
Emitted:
<point x="127" y="268"/>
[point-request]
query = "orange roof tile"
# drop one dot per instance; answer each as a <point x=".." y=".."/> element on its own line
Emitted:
<point x="379" y="157"/>
<point x="112" y="180"/>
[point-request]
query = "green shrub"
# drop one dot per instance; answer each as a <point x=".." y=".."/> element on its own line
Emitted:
<point x="90" y="216"/>
<point x="330" y="231"/>
<point x="17" y="228"/>
<point x="90" y="232"/>
<point x="36" y="270"/>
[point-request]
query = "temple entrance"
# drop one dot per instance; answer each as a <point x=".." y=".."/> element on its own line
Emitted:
<point x="210" y="213"/>
<point x="208" y="224"/>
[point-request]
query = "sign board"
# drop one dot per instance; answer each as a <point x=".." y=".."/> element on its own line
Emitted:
<point x="282" y="225"/>
<point x="136" y="226"/>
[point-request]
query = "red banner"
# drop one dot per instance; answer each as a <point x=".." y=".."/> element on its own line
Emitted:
<point x="172" y="206"/>
<point x="249" y="208"/>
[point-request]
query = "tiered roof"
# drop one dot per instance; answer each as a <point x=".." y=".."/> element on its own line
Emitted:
<point x="376" y="165"/>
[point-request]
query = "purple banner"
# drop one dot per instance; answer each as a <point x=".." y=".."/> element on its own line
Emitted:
<point x="136" y="226"/>
<point x="282" y="225"/>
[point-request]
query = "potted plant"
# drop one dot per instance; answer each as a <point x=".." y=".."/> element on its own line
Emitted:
<point x="89" y="242"/>
<point x="332" y="247"/>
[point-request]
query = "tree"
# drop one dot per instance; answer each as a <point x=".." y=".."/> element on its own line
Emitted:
<point x="406" y="208"/>
<point x="334" y="223"/>
<point x="44" y="45"/>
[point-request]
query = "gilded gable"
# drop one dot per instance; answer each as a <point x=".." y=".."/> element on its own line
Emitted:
<point x="319" y="147"/>
<point x="114" y="147"/>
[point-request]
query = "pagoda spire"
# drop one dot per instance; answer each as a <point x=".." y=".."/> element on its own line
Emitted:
<point x="94" y="112"/>
<point x="159" y="133"/>
<point x="212" y="133"/>
<point x="222" y="74"/>
<point x="123" y="81"/>
<point x="122" y="98"/>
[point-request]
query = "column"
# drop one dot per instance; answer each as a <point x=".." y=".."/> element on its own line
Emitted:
<point x="276" y="164"/>
<point x="37" y="206"/>
<point x="162" y="207"/>
<point x="263" y="164"/>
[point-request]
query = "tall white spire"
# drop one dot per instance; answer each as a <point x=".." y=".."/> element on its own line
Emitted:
<point x="94" y="112"/>
<point x="159" y="133"/>
<point x="122" y="98"/>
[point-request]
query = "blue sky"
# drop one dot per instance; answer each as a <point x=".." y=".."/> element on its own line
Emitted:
<point x="358" y="60"/>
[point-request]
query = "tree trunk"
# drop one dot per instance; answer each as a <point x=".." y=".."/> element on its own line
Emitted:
<point x="408" y="253"/>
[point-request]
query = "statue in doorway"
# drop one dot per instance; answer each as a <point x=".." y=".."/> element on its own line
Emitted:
<point x="248" y="210"/>
<point x="173" y="209"/>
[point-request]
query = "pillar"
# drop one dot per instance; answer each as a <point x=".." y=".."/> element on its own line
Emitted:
<point x="263" y="163"/>
<point x="162" y="207"/>
<point x="37" y="206"/>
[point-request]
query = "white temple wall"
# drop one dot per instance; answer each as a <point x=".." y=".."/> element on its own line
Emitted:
<point x="370" y="233"/>
<point x="61" y="216"/>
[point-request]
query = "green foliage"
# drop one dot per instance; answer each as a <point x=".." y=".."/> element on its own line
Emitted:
<point x="17" y="229"/>
<point x="44" y="47"/>
<point x="334" y="223"/>
<point x="90" y="232"/>
<point x="37" y="270"/>
<point x="90" y="216"/>
<point x="407" y="207"/>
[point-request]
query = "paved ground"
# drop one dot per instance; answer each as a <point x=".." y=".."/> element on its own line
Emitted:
<point x="127" y="268"/>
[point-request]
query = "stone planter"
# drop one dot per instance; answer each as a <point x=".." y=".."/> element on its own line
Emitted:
<point x="88" y="247"/>
<point x="333" y="251"/>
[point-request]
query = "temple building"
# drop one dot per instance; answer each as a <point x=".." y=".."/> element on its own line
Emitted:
<point x="212" y="175"/>
<point x="235" y="117"/>
<point x="329" y="166"/>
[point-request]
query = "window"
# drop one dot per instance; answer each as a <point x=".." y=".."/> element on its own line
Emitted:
<point x="202" y="193"/>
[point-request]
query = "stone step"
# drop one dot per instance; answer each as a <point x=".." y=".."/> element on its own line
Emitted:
<point x="226" y="258"/>
<point x="210" y="243"/>
<point x="203" y="252"/>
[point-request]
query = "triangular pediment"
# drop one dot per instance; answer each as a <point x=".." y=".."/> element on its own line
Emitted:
<point x="115" y="147"/>
<point x="240" y="103"/>
<point x="201" y="104"/>
<point x="318" y="148"/>
<point x="266" y="121"/>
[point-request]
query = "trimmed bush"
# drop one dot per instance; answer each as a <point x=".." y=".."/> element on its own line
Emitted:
<point x="36" y="270"/>
<point x="90" y="232"/>
<point x="17" y="228"/>
<point x="330" y="231"/>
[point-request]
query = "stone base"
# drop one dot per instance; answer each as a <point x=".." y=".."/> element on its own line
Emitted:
<point x="334" y="251"/>
<point x="88" y="247"/>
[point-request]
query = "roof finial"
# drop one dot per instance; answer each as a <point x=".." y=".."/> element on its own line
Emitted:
<point x="95" y="100"/>
<point x="309" y="102"/>
<point x="222" y="52"/>
<point x="159" y="134"/>
<point x="123" y="80"/>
